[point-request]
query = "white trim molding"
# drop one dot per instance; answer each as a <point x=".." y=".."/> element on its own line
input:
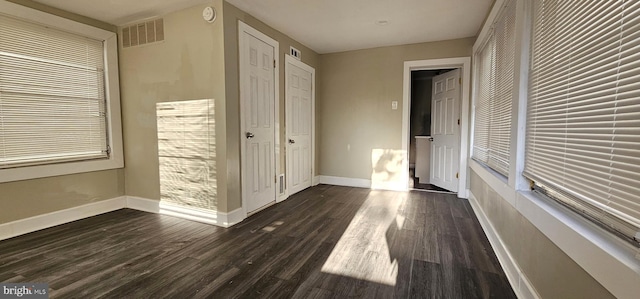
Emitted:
<point x="341" y="181"/>
<point x="143" y="204"/>
<point x="612" y="262"/>
<point x="112" y="90"/>
<point x="36" y="223"/>
<point x="464" y="64"/>
<point x="518" y="280"/>
<point x="355" y="182"/>
<point x="200" y="215"/>
<point x="39" y="222"/>
<point x="282" y="197"/>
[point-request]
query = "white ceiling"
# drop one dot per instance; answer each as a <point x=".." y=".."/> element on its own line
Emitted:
<point x="121" y="12"/>
<point x="340" y="25"/>
<point x="323" y="25"/>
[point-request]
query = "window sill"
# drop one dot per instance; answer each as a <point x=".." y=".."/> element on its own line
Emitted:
<point x="611" y="261"/>
<point x="112" y="90"/>
<point x="41" y="171"/>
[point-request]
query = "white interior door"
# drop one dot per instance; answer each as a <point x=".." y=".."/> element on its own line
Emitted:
<point x="445" y="130"/>
<point x="299" y="93"/>
<point x="257" y="102"/>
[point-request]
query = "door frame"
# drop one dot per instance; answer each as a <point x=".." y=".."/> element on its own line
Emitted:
<point x="243" y="28"/>
<point x="293" y="61"/>
<point x="464" y="64"/>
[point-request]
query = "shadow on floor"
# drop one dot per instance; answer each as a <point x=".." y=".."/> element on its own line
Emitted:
<point x="414" y="183"/>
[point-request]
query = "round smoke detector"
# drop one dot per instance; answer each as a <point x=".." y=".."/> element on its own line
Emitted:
<point x="209" y="14"/>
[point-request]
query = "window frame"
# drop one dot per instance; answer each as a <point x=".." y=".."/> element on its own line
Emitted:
<point x="603" y="255"/>
<point x="560" y="187"/>
<point x="491" y="39"/>
<point x="112" y="95"/>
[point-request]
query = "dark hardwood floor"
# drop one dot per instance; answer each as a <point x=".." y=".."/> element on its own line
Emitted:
<point x="324" y="242"/>
<point x="414" y="183"/>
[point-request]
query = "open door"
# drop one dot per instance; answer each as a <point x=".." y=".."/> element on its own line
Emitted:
<point x="445" y="130"/>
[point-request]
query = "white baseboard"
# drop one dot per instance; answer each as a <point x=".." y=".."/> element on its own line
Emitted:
<point x="341" y="181"/>
<point x="234" y="217"/>
<point x="200" y="215"/>
<point x="519" y="282"/>
<point x="35" y="223"/>
<point x="143" y="204"/>
<point x="315" y="181"/>
<point x="282" y="197"/>
<point x="204" y="216"/>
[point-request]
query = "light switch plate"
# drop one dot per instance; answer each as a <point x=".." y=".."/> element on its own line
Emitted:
<point x="394" y="105"/>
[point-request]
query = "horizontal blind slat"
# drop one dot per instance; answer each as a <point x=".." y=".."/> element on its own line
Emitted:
<point x="493" y="101"/>
<point x="52" y="96"/>
<point x="583" y="119"/>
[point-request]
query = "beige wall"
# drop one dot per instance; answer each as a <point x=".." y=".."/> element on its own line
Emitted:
<point x="197" y="60"/>
<point x="551" y="272"/>
<point x="187" y="65"/>
<point x="23" y="199"/>
<point x="231" y="17"/>
<point x="354" y="106"/>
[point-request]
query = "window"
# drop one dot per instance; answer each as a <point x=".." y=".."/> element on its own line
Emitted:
<point x="59" y="103"/>
<point x="494" y="93"/>
<point x="583" y="122"/>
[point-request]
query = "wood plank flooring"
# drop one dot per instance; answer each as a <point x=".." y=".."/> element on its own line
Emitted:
<point x="324" y="242"/>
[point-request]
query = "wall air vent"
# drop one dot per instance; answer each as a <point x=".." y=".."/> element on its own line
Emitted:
<point x="281" y="184"/>
<point x="295" y="53"/>
<point x="142" y="33"/>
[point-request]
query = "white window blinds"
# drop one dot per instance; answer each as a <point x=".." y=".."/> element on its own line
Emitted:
<point x="494" y="93"/>
<point x="583" y="124"/>
<point x="52" y="96"/>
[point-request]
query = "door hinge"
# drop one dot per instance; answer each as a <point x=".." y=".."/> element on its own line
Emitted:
<point x="458" y="121"/>
<point x="457" y="175"/>
<point x="274" y="63"/>
<point x="460" y="80"/>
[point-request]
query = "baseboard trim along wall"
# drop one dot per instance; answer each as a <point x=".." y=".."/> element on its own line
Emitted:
<point x="204" y="216"/>
<point x="519" y="282"/>
<point x="36" y="223"/>
<point x="143" y="204"/>
<point x="341" y="181"/>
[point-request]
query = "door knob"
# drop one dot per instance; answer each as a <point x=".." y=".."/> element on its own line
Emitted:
<point x="249" y="135"/>
<point x="430" y="138"/>
<point x="291" y="141"/>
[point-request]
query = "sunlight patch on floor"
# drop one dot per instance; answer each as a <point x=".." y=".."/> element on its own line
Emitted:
<point x="363" y="252"/>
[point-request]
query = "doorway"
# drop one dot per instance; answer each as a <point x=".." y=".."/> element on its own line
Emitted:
<point x="300" y="124"/>
<point x="258" y="56"/>
<point x="463" y="64"/>
<point x="420" y="129"/>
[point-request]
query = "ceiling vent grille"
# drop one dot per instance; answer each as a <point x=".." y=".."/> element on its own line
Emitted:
<point x="143" y="33"/>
